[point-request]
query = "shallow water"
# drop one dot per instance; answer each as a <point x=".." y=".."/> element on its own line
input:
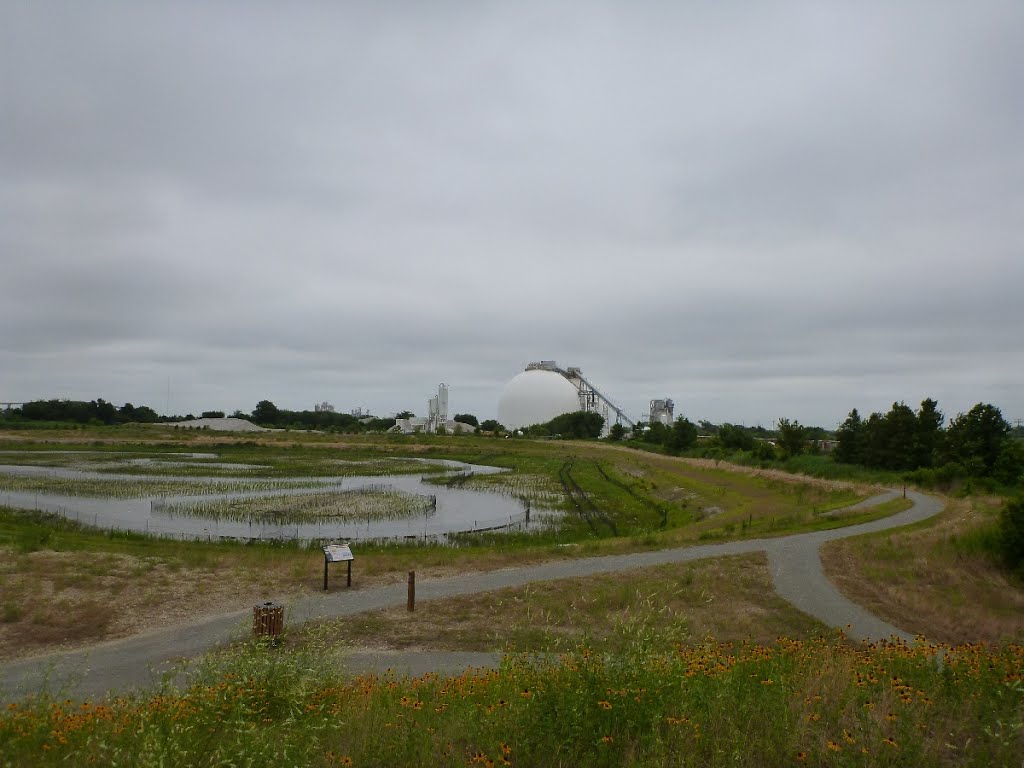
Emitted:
<point x="457" y="509"/>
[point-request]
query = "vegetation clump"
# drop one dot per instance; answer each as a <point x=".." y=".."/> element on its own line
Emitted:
<point x="1011" y="534"/>
<point x="348" y="506"/>
<point x="579" y="425"/>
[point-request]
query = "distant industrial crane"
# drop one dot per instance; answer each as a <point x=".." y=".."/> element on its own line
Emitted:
<point x="591" y="399"/>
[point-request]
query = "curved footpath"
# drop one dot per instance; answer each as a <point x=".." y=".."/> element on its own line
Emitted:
<point x="141" y="660"/>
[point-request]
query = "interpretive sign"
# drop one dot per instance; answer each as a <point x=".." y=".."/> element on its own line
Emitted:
<point x="338" y="553"/>
<point x="335" y="553"/>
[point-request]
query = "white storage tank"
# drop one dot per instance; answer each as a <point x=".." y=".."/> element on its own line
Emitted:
<point x="536" y="396"/>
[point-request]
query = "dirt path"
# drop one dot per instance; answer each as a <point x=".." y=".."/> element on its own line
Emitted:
<point x="139" y="661"/>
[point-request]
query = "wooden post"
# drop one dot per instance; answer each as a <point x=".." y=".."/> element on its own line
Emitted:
<point x="349" y="573"/>
<point x="325" y="571"/>
<point x="412" y="591"/>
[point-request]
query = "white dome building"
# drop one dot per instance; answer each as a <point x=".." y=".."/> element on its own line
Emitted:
<point x="536" y="396"/>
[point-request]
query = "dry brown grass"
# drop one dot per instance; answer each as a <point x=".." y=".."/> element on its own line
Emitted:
<point x="730" y="599"/>
<point x="926" y="581"/>
<point x="55" y="601"/>
<point x="58" y="601"/>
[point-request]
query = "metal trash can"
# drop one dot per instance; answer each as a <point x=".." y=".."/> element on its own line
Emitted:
<point x="267" y="620"/>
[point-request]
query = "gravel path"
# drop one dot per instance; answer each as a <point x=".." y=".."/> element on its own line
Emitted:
<point x="141" y="660"/>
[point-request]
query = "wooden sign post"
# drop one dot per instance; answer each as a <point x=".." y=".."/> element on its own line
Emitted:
<point x="335" y="553"/>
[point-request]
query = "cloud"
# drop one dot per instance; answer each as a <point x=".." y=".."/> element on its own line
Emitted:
<point x="760" y="212"/>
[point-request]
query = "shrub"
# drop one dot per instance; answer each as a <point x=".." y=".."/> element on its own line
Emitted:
<point x="1011" y="533"/>
<point x="946" y="478"/>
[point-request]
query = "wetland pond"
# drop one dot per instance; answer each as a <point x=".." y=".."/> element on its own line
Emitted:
<point x="247" y="507"/>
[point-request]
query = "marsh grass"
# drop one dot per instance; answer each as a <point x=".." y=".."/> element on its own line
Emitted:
<point x="537" y="488"/>
<point x="120" y="488"/>
<point x="171" y="457"/>
<point x="634" y="492"/>
<point x="355" y="505"/>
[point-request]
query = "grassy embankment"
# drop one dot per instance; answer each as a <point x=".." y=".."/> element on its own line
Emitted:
<point x="942" y="577"/>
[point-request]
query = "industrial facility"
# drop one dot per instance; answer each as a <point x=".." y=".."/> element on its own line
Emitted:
<point x="662" y="412"/>
<point x="545" y="390"/>
<point x="436" y="418"/>
<point x="535" y="396"/>
<point x="437" y="409"/>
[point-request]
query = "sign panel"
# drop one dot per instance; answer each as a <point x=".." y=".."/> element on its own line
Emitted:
<point x="335" y="553"/>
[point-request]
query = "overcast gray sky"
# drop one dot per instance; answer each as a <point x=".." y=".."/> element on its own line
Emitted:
<point x="756" y="209"/>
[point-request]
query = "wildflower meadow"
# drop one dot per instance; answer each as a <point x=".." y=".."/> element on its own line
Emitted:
<point x="825" y="702"/>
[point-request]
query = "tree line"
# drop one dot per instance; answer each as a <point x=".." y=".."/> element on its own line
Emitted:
<point x="98" y="412"/>
<point x="978" y="443"/>
<point x="266" y="414"/>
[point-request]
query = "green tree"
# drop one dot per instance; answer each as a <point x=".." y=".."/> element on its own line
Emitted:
<point x="616" y="432"/>
<point x="266" y="413"/>
<point x="735" y="438"/>
<point x="850" y="438"/>
<point x="579" y="425"/>
<point x="792" y="437"/>
<point x="682" y="436"/>
<point x="764" y="450"/>
<point x="872" y="443"/>
<point x="978" y="438"/>
<point x="899" y="431"/>
<point x="929" y="433"/>
<point x="491" y="425"/>
<point x="1009" y="467"/>
<point x="890" y="441"/>
<point x="142" y="414"/>
<point x="657" y="433"/>
<point x="467" y="418"/>
<point x="104" y="411"/>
